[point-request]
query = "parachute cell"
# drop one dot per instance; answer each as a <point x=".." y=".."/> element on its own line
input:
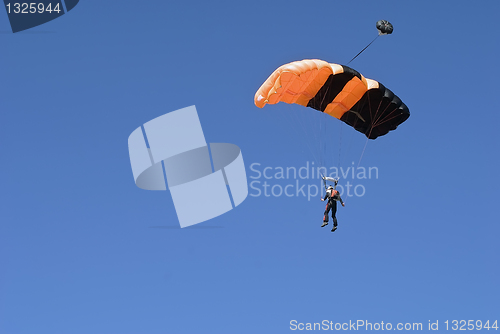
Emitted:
<point x="337" y="90"/>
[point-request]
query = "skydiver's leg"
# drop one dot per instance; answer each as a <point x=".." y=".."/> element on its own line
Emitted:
<point x="334" y="212"/>
<point x="325" y="215"/>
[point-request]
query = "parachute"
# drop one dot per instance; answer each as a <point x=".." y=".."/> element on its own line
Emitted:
<point x="337" y="90"/>
<point x="384" y="27"/>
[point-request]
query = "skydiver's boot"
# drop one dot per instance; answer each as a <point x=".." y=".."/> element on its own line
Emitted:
<point x="334" y="224"/>
<point x="324" y="224"/>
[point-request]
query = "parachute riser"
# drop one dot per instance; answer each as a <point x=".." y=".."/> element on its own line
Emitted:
<point x="335" y="181"/>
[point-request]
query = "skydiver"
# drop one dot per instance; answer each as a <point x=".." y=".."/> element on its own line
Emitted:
<point x="333" y="196"/>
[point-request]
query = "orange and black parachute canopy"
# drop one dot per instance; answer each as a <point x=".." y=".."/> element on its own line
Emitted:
<point x="337" y="90"/>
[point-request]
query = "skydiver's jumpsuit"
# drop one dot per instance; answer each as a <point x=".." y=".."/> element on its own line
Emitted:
<point x="333" y="196"/>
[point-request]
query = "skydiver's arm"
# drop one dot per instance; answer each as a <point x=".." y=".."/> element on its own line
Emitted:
<point x="341" y="201"/>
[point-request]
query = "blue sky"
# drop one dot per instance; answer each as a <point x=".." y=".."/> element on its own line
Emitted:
<point x="83" y="250"/>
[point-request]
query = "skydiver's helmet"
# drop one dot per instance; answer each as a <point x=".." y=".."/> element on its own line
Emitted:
<point x="330" y="188"/>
